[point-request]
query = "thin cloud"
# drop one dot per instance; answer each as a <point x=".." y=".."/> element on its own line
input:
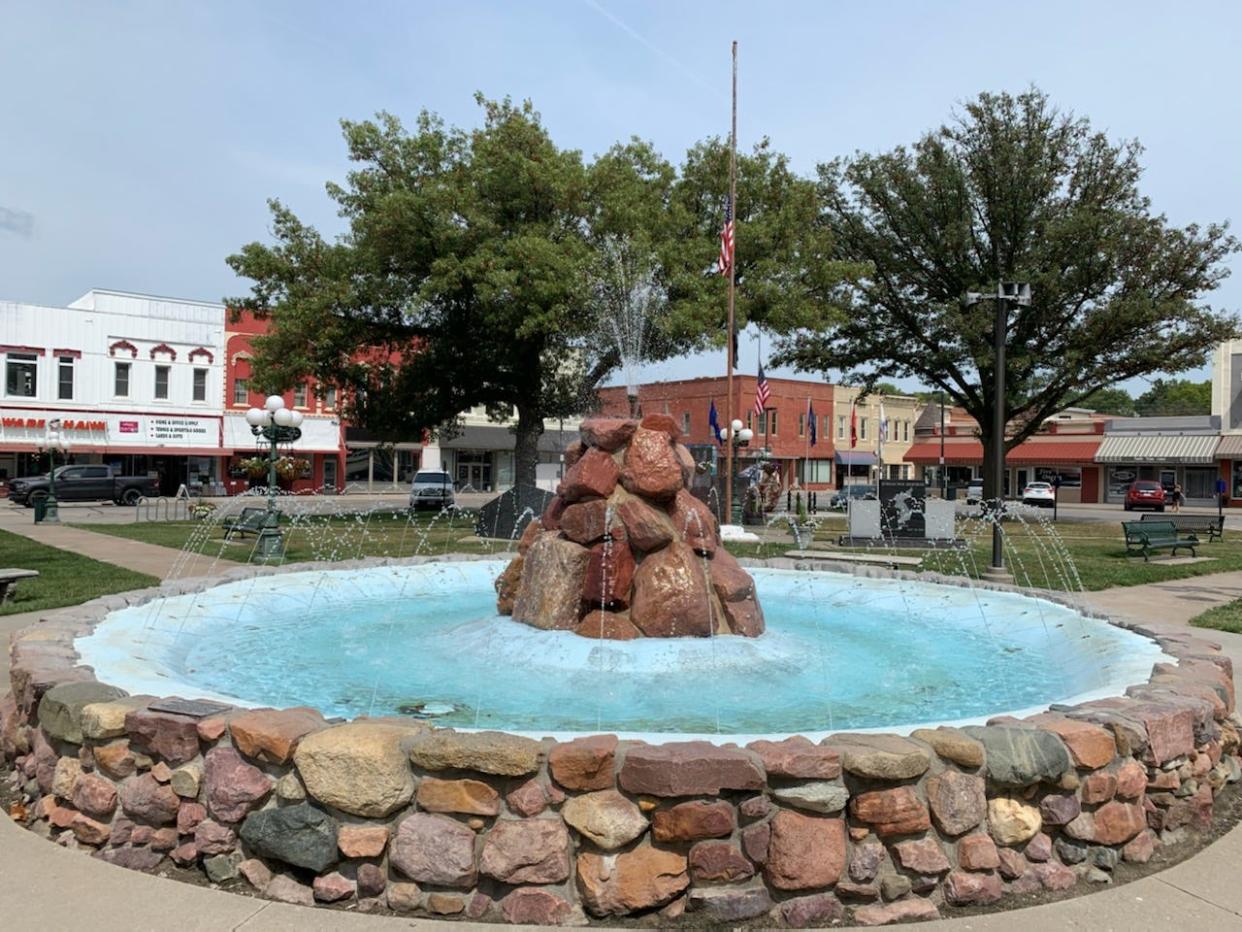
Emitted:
<point x="17" y="221"/>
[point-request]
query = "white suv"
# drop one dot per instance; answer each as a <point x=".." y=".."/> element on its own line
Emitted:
<point x="431" y="489"/>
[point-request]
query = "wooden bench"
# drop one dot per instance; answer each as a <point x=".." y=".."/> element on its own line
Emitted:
<point x="1212" y="525"/>
<point x="249" y="521"/>
<point x="8" y="582"/>
<point x="1147" y="536"/>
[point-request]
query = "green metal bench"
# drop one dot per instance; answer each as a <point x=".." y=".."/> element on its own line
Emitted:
<point x="249" y="521"/>
<point x="1212" y="525"/>
<point x="1145" y="537"/>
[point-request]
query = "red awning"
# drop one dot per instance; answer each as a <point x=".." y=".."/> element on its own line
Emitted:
<point x="1042" y="451"/>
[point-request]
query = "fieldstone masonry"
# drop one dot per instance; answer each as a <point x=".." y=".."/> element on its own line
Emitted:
<point x="624" y="550"/>
<point x="374" y="813"/>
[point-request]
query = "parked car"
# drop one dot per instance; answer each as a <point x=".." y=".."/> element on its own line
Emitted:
<point x="1039" y="493"/>
<point x="432" y="488"/>
<point x="1145" y="493"/>
<point x="84" y="484"/>
<point x="849" y="493"/>
<point x="974" y="492"/>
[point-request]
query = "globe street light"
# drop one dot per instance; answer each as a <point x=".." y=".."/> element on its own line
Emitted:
<point x="55" y="440"/>
<point x="276" y="424"/>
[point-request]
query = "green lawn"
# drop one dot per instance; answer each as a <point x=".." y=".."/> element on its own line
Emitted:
<point x="64" y="578"/>
<point x="1091" y="555"/>
<point x="1226" y="617"/>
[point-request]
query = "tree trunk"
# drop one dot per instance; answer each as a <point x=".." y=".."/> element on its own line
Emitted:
<point x="526" y="446"/>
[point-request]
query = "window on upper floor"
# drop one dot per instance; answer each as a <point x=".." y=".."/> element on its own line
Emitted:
<point x="21" y="375"/>
<point x="801" y="425"/>
<point x="771" y="412"/>
<point x="840" y="426"/>
<point x="120" y="380"/>
<point x="862" y="428"/>
<point x="161" y="382"/>
<point x="685" y="423"/>
<point x="241" y="391"/>
<point x="299" y="395"/>
<point x="329" y="397"/>
<point x="64" y="378"/>
<point x="200" y="384"/>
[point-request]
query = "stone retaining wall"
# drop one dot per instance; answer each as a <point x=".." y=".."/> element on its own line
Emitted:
<point x="389" y="812"/>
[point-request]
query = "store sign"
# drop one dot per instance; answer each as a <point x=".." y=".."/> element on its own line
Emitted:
<point x="86" y="429"/>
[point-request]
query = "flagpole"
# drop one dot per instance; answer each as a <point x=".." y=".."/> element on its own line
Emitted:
<point x="728" y="515"/>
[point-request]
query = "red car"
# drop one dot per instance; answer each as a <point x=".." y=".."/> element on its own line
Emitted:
<point x="1145" y="493"/>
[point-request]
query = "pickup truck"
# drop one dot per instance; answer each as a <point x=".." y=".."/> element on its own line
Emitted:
<point x="84" y="484"/>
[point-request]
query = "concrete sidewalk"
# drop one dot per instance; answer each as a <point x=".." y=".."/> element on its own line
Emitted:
<point x="152" y="559"/>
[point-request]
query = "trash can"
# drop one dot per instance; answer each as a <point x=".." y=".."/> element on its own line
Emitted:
<point x="951" y="493"/>
<point x="40" y="510"/>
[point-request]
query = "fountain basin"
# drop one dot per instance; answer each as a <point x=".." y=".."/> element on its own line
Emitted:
<point x="837" y="655"/>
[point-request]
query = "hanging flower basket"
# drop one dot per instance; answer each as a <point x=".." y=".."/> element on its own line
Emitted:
<point x="254" y="467"/>
<point x="289" y="468"/>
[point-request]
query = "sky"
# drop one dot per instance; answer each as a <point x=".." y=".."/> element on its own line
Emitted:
<point x="139" y="141"/>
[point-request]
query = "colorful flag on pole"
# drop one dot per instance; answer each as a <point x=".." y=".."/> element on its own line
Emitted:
<point x="810" y="417"/>
<point x="713" y="422"/>
<point x="883" y="433"/>
<point x="853" y="423"/>
<point x="763" y="393"/>
<point x="725" y="261"/>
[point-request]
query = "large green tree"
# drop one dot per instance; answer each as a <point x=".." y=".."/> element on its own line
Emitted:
<point x="1171" y="397"/>
<point x="1013" y="189"/>
<point x="480" y="268"/>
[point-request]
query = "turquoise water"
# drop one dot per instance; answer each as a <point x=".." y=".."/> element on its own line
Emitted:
<point x="841" y="652"/>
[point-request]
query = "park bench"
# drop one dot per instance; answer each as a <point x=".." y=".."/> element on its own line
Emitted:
<point x="8" y="581"/>
<point x="1212" y="525"/>
<point x="250" y="521"/>
<point x="1147" y="536"/>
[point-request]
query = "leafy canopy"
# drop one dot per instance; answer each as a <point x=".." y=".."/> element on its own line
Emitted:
<point x="1013" y="189"/>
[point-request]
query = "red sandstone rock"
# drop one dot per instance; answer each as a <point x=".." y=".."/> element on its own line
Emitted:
<point x="609" y="575"/>
<point x="1111" y="824"/>
<point x="965" y="889"/>
<point x="172" y="737"/>
<point x="551" y="592"/>
<point x="608" y="433"/>
<point x="646" y="528"/>
<point x="585" y="763"/>
<point x="257" y="874"/>
<point x="573" y="453"/>
<point x="1131" y="780"/>
<point x="234" y="787"/>
<point x="329" y="888"/>
<point x="744" y="618"/>
<point x="1089" y="745"/>
<point x="1054" y="876"/>
<point x="694" y="820"/>
<point x="1012" y="864"/>
<point x="95" y="796"/>
<point x="508" y="584"/>
<point x="651" y="466"/>
<point x="694" y="523"/>
<point x="730" y="581"/>
<point x="586" y="522"/>
<point x="371" y="882"/>
<point x="189" y="815"/>
<point x="184" y="855"/>
<point x="146" y="800"/>
<point x="550" y="520"/>
<point x="757" y="806"/>
<point x="924" y="856"/>
<point x="1140" y="848"/>
<point x="272" y="735"/>
<point x="1039" y="848"/>
<point x="528" y="800"/>
<point x="688" y="768"/>
<point x="213" y="838"/>
<point x="718" y="862"/>
<point x="593" y="476"/>
<point x="898" y="811"/>
<point x="805" y="851"/>
<point x="362" y="841"/>
<point x="1059" y="808"/>
<point x="469" y="797"/>
<point x="212" y="728"/>
<point x="286" y="889"/>
<point x="529" y="906"/>
<point x="797" y="757"/>
<point x="977" y="853"/>
<point x="164" y="839"/>
<point x="534" y="527"/>
<point x="89" y="831"/>
<point x="670" y="594"/>
<point x="661" y="422"/>
<point x="821" y="909"/>
<point x="526" y="851"/>
<point x="1170" y="730"/>
<point x="755" y="841"/>
<point x="957" y="801"/>
<point x="611" y="626"/>
<point x="644" y="878"/>
<point x="1098" y="787"/>
<point x="910" y="909"/>
<point x="115" y="759"/>
<point x="434" y="849"/>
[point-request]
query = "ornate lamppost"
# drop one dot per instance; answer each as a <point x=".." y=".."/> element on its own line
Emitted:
<point x="276" y="424"/>
<point x="55" y="440"/>
<point x="739" y="436"/>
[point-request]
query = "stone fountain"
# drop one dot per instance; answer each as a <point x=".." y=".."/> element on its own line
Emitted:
<point x="624" y="550"/>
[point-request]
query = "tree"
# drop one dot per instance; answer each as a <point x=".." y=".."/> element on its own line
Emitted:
<point x="1175" y="397"/>
<point x="475" y="263"/>
<point x="1013" y="189"/>
<point x="1110" y="401"/>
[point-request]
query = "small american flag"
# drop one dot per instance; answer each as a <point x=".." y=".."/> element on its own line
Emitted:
<point x="726" y="240"/>
<point x="763" y="393"/>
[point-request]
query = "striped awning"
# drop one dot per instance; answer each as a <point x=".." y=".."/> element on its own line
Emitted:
<point x="1190" y="448"/>
<point x="1230" y="447"/>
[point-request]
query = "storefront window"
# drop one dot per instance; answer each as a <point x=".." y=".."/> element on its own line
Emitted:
<point x="358" y="465"/>
<point x="21" y="373"/>
<point x="1119" y="479"/>
<point x="816" y="471"/>
<point x="1070" y="476"/>
<point x="1237" y="479"/>
<point x="382" y="465"/>
<point x="407" y="465"/>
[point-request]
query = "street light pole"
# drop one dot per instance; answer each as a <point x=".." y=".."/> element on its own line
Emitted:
<point x="276" y="424"/>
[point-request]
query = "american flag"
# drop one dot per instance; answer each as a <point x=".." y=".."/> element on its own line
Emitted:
<point x="763" y="393"/>
<point x="726" y="240"/>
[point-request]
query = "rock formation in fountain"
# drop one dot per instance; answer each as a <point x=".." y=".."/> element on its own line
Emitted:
<point x="624" y="550"/>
